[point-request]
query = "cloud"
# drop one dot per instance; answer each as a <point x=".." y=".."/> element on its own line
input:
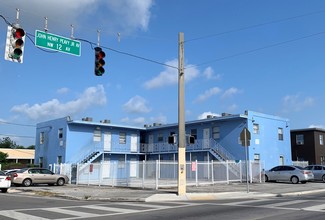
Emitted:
<point x="63" y="90"/>
<point x="296" y="103"/>
<point x="205" y="114"/>
<point x="109" y="16"/>
<point x="230" y="92"/>
<point x="170" y="76"/>
<point x="209" y="74"/>
<point x="54" y="108"/>
<point x="207" y="94"/>
<point x="136" y="104"/>
<point x="317" y="126"/>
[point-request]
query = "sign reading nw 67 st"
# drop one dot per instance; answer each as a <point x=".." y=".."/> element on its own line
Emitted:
<point x="57" y="43"/>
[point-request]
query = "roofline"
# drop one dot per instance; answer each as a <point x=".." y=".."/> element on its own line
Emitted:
<point x="152" y="127"/>
<point x="308" y="129"/>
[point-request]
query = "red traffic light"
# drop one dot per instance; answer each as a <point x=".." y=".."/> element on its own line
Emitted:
<point x="99" y="61"/>
<point x="18" y="33"/>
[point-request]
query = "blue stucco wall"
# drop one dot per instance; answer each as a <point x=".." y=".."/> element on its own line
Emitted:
<point x="78" y="140"/>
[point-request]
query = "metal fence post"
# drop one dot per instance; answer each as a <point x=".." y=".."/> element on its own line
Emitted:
<point x="157" y="171"/>
<point x="196" y="173"/>
<point x="143" y="172"/>
<point x="227" y="168"/>
<point x="212" y="172"/>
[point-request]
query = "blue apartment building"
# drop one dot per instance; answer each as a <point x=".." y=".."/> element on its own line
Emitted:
<point x="65" y="140"/>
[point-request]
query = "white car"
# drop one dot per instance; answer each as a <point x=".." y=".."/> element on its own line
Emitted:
<point x="5" y="182"/>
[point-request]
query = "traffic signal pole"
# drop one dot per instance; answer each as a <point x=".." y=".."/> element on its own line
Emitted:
<point x="181" y="119"/>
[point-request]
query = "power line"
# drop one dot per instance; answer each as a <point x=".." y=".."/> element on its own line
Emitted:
<point x="10" y="123"/>
<point x="255" y="26"/>
<point x="258" y="49"/>
<point x="13" y="135"/>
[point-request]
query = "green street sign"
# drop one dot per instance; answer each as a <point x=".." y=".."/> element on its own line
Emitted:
<point x="57" y="43"/>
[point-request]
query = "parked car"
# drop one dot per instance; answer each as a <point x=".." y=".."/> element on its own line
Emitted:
<point x="318" y="171"/>
<point x="9" y="172"/>
<point x="293" y="174"/>
<point x="30" y="176"/>
<point x="5" y="182"/>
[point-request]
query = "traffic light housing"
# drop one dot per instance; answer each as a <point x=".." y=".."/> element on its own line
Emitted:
<point x="15" y="44"/>
<point x="99" y="61"/>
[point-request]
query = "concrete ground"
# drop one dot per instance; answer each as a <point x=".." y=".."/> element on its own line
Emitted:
<point x="207" y="192"/>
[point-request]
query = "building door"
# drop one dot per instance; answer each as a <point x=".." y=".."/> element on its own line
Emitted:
<point x="107" y="141"/>
<point x="206" y="138"/>
<point x="133" y="167"/>
<point x="134" y="143"/>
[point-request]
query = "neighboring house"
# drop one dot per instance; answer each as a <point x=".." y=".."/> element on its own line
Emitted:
<point x="65" y="140"/>
<point x="22" y="156"/>
<point x="308" y="145"/>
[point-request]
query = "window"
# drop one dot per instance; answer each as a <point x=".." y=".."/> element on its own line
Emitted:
<point x="216" y="132"/>
<point x="299" y="139"/>
<point x="60" y="133"/>
<point x="160" y="138"/>
<point x="41" y="138"/>
<point x="194" y="133"/>
<point x="256" y="128"/>
<point x="280" y="134"/>
<point x="321" y="139"/>
<point x="122" y="138"/>
<point x="59" y="159"/>
<point x="97" y="135"/>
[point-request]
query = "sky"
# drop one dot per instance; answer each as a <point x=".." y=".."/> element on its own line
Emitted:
<point x="258" y="55"/>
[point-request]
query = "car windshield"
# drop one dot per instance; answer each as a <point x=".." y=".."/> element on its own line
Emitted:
<point x="2" y="173"/>
<point x="300" y="168"/>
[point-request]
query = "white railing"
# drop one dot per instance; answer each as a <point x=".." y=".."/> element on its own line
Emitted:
<point x="158" y="174"/>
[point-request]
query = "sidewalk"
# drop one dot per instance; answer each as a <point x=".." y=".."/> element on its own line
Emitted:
<point x="211" y="192"/>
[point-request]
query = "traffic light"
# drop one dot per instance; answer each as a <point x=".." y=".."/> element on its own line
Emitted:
<point x="99" y="61"/>
<point x="15" y="44"/>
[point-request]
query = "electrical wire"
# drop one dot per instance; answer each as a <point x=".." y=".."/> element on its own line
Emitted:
<point x="258" y="49"/>
<point x="10" y="123"/>
<point x="13" y="135"/>
<point x="255" y="26"/>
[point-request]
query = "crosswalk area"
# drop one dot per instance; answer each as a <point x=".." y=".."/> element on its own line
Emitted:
<point x="87" y="211"/>
<point x="288" y="204"/>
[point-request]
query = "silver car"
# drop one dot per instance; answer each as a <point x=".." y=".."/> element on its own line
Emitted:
<point x="288" y="173"/>
<point x="318" y="171"/>
<point x="30" y="176"/>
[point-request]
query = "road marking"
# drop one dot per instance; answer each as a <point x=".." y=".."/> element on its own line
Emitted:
<point x="71" y="212"/>
<point x="18" y="215"/>
<point x="318" y="208"/>
<point x="280" y="204"/>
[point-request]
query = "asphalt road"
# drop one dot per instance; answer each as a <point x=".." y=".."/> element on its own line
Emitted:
<point x="24" y="207"/>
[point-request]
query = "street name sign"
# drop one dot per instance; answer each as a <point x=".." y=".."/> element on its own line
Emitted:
<point x="57" y="43"/>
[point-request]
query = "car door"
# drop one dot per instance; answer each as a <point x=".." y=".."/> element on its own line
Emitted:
<point x="317" y="171"/>
<point x="47" y="176"/>
<point x="273" y="173"/>
<point x="285" y="173"/>
<point x="34" y="174"/>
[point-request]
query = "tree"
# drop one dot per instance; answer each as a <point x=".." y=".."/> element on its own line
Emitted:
<point x="6" y="142"/>
<point x="3" y="157"/>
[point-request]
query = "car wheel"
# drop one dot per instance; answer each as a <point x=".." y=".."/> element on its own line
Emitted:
<point x="60" y="182"/>
<point x="294" y="180"/>
<point x="266" y="178"/>
<point x="4" y="190"/>
<point x="27" y="182"/>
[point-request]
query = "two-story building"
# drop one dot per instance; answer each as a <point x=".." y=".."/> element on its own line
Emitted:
<point x="65" y="140"/>
<point x="308" y="145"/>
